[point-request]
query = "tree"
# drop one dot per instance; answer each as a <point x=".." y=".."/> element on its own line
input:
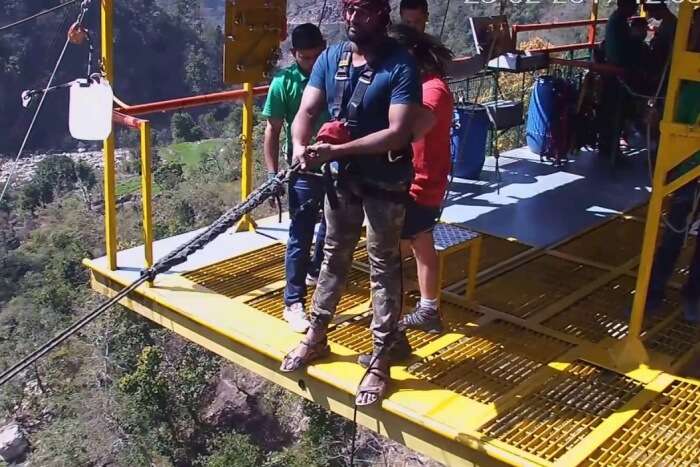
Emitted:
<point x="232" y="450"/>
<point x="169" y="176"/>
<point x="31" y="197"/>
<point x="184" y="129"/>
<point x="86" y="181"/>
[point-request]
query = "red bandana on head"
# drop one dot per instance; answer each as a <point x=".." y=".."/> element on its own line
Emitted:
<point x="380" y="8"/>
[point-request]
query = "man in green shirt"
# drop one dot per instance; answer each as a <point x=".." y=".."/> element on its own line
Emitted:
<point x="305" y="190"/>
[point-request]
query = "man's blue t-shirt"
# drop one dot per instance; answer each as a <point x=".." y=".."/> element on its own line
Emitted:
<point x="396" y="81"/>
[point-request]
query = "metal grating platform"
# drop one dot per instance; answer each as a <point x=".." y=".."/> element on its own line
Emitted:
<point x="535" y="285"/>
<point x="569" y="406"/>
<point x="506" y="359"/>
<point x="494" y="251"/>
<point x="675" y="339"/>
<point x="356" y="293"/>
<point x="360" y="255"/>
<point x="237" y="276"/>
<point x="613" y="243"/>
<point x="604" y="313"/>
<point x="666" y="432"/>
<point x="355" y="333"/>
<point x="490" y="362"/>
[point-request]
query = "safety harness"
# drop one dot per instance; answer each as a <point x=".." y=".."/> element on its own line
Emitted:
<point x="349" y="113"/>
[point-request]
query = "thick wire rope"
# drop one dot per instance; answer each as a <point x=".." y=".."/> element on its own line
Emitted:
<point x="37" y="15"/>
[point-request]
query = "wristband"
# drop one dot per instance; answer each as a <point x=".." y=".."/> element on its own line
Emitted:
<point x="271" y="175"/>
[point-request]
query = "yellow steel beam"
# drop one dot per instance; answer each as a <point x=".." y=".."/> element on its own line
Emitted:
<point x="146" y="192"/>
<point x="110" y="198"/>
<point x="676" y="144"/>
<point x="247" y="223"/>
<point x="473" y="267"/>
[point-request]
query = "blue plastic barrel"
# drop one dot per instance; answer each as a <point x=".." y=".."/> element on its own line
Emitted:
<point x="470" y="131"/>
<point x="540" y="113"/>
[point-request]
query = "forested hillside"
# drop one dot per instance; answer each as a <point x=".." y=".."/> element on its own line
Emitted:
<point x="125" y="392"/>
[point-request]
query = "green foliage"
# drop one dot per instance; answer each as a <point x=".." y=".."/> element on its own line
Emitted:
<point x="169" y="175"/>
<point x="147" y="386"/>
<point x="63" y="443"/>
<point x="232" y="450"/>
<point x="184" y="128"/>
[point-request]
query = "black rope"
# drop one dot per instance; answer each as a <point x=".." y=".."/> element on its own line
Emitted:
<point x="322" y="14"/>
<point x="37" y="15"/>
<point x="178" y="256"/>
<point x="30" y="360"/>
<point x="444" y="18"/>
<point x="385" y="349"/>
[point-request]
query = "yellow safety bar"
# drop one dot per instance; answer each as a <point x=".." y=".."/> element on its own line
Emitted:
<point x="110" y="197"/>
<point x="146" y="191"/>
<point x="247" y="223"/>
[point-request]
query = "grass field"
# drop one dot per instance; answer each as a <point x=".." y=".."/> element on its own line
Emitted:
<point x="191" y="153"/>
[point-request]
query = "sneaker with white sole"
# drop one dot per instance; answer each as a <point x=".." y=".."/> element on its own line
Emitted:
<point x="295" y="315"/>
<point x="311" y="280"/>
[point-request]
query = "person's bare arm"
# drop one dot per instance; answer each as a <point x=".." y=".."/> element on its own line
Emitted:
<point x="312" y="102"/>
<point x="271" y="147"/>
<point x="424" y="122"/>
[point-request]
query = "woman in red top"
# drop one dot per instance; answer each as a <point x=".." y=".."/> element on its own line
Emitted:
<point x="431" y="162"/>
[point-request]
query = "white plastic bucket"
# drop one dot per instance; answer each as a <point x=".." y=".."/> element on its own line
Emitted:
<point x="90" y="110"/>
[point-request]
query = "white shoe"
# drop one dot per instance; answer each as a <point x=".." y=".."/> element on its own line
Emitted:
<point x="295" y="315"/>
<point x="311" y="280"/>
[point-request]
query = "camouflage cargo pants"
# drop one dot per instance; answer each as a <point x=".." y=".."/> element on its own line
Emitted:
<point x="344" y="225"/>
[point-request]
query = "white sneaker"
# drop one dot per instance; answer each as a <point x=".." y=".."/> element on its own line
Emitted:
<point x="311" y="280"/>
<point x="295" y="315"/>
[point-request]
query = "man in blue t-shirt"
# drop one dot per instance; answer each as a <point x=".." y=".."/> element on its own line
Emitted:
<point x="375" y="170"/>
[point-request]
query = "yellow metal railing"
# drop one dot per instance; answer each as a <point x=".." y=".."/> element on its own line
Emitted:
<point x="146" y="191"/>
<point x="124" y="116"/>
<point x="679" y="143"/>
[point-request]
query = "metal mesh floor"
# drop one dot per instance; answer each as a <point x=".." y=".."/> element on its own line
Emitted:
<point x="563" y="411"/>
<point x="605" y="313"/>
<point x="356" y="293"/>
<point x="490" y="362"/>
<point x="675" y="339"/>
<point x="237" y="276"/>
<point x="535" y="285"/>
<point x="508" y="360"/>
<point x="356" y="335"/>
<point x="666" y="432"/>
<point x="613" y="243"/>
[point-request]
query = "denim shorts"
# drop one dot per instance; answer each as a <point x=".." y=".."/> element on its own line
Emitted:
<point x="419" y="219"/>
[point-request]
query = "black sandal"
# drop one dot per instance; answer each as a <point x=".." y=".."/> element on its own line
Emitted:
<point x="377" y="390"/>
<point x="316" y="351"/>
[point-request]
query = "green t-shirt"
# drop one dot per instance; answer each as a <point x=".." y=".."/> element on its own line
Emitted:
<point x="284" y="98"/>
